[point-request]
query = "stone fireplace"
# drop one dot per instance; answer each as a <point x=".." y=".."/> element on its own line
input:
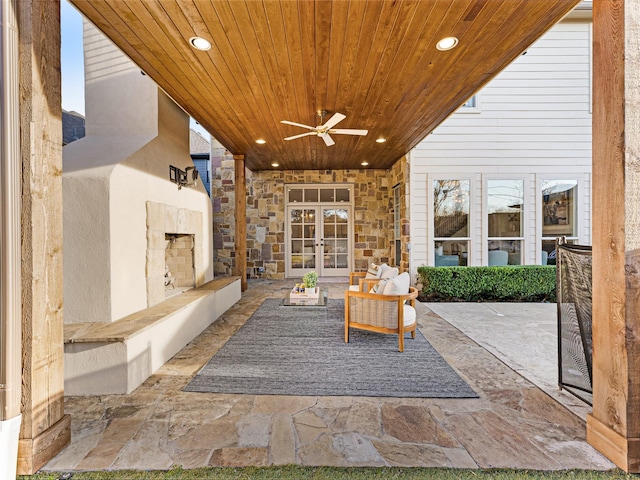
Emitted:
<point x="179" y="268"/>
<point x="174" y="244"/>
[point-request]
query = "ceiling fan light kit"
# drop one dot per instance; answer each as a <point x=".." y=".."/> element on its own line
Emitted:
<point x="324" y="130"/>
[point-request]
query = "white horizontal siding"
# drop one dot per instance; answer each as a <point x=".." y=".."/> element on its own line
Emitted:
<point x="533" y="120"/>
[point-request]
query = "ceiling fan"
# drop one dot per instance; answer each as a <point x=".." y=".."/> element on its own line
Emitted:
<point x="323" y="131"/>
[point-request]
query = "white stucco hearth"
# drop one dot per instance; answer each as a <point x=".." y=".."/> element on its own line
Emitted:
<point x="116" y="357"/>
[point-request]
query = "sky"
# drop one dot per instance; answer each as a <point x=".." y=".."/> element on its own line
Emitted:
<point x="73" y="63"/>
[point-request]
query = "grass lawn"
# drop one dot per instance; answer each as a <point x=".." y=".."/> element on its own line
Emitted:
<point x="333" y="473"/>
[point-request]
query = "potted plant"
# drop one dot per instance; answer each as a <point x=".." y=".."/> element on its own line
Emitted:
<point x="310" y="280"/>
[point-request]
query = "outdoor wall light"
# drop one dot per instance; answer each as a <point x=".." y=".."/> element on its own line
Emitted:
<point x="200" y="43"/>
<point x="183" y="178"/>
<point x="447" y="43"/>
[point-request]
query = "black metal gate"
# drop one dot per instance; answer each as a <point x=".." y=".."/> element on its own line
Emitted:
<point x="574" y="319"/>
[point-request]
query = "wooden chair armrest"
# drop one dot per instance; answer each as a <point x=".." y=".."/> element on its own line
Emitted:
<point x="353" y="276"/>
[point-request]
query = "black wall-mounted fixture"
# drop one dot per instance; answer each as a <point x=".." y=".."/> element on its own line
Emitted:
<point x="183" y="178"/>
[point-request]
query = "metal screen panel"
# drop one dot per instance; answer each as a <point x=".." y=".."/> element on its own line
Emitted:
<point x="574" y="319"/>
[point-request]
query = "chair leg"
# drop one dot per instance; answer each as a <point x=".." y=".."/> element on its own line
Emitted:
<point x="413" y="334"/>
<point x="346" y="317"/>
<point x="401" y="341"/>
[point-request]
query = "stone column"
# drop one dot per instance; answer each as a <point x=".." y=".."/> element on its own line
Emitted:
<point x="241" y="221"/>
<point x="614" y="426"/>
<point x="45" y="428"/>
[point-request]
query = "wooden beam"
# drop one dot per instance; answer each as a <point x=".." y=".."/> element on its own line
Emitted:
<point x="241" y="221"/>
<point x="45" y="428"/>
<point x="614" y="426"/>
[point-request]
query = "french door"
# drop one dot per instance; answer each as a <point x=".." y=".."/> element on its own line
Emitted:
<point x="319" y="238"/>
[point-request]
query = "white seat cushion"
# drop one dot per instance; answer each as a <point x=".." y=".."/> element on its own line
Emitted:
<point x="409" y="315"/>
<point x="399" y="285"/>
<point x="354" y="288"/>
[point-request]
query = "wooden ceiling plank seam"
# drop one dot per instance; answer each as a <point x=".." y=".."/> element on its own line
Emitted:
<point x="397" y="34"/>
<point x="267" y="83"/>
<point x="383" y="28"/>
<point x="440" y="68"/>
<point x="428" y="55"/>
<point x="193" y="21"/>
<point x="281" y="75"/>
<point x="166" y="50"/>
<point x="227" y="77"/>
<point x="307" y="28"/>
<point x="508" y="52"/>
<point x="322" y="43"/>
<point x="294" y="42"/>
<point x="241" y="42"/>
<point x="232" y="42"/>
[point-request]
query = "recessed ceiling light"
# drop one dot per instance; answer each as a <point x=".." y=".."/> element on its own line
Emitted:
<point x="200" y="43"/>
<point x="261" y="141"/>
<point x="381" y="140"/>
<point x="364" y="164"/>
<point x="447" y="43"/>
<point x="274" y="164"/>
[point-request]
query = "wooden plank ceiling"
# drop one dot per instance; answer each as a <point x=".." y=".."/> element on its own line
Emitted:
<point x="373" y="60"/>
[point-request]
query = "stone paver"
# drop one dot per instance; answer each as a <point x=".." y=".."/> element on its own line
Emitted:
<point x="512" y="424"/>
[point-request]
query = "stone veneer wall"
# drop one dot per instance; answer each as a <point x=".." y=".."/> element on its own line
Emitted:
<point x="373" y="215"/>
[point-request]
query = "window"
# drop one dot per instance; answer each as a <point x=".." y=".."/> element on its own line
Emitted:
<point x="396" y="224"/>
<point x="470" y="106"/>
<point x="451" y="222"/>
<point x="559" y="215"/>
<point x="505" y="200"/>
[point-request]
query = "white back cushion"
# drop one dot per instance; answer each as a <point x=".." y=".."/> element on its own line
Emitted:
<point x="398" y="285"/>
<point x="388" y="272"/>
<point x="374" y="271"/>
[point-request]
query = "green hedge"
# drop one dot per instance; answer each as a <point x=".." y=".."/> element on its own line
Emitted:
<point x="526" y="283"/>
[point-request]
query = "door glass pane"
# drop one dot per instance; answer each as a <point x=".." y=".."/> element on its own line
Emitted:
<point x="505" y="199"/>
<point x="310" y="194"/>
<point x="558" y="207"/>
<point x="342" y="195"/>
<point x="327" y="195"/>
<point x="451" y="208"/>
<point x="295" y="195"/>
<point x="329" y="231"/>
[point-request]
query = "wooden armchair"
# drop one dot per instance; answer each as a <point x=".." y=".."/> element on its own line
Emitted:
<point x="380" y="313"/>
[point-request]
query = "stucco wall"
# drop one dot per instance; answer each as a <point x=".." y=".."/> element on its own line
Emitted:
<point x="134" y="132"/>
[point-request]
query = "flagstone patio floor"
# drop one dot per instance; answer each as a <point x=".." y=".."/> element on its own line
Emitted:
<point x="513" y="424"/>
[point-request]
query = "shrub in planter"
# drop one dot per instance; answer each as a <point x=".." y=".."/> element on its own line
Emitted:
<point x="526" y="283"/>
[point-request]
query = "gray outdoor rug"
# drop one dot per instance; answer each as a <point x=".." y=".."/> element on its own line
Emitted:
<point x="301" y="351"/>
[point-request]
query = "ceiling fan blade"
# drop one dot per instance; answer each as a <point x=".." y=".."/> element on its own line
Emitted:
<point x="348" y="131"/>
<point x="337" y="117"/>
<point x="300" y="135"/>
<point x="327" y="139"/>
<point x="297" y="124"/>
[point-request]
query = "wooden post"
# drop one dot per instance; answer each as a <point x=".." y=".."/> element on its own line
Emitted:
<point x="10" y="222"/>
<point x="241" y="221"/>
<point x="614" y="426"/>
<point x="45" y="428"/>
